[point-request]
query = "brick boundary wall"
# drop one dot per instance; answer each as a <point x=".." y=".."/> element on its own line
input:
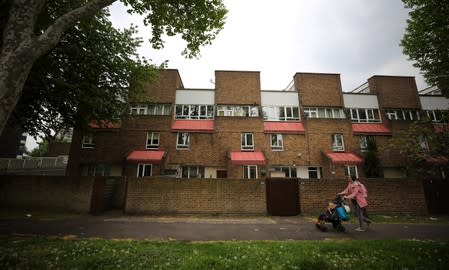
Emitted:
<point x="193" y="196"/>
<point x="385" y="196"/>
<point x="57" y="193"/>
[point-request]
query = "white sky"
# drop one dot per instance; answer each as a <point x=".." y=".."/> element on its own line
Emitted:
<point x="357" y="39"/>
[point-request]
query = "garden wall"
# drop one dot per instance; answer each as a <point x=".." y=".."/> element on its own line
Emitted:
<point x="189" y="196"/>
<point x="54" y="193"/>
<point x="387" y="196"/>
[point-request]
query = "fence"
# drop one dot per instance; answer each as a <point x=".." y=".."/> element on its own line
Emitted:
<point x="34" y="166"/>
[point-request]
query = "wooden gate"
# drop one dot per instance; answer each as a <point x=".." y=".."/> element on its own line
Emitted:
<point x="437" y="196"/>
<point x="102" y="194"/>
<point x="282" y="196"/>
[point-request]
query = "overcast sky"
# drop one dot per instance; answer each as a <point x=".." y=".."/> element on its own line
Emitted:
<point x="355" y="38"/>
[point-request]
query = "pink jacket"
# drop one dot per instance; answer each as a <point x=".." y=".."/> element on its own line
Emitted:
<point x="353" y="191"/>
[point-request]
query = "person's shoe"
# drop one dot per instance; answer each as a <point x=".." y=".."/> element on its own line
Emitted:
<point x="368" y="222"/>
<point x="359" y="229"/>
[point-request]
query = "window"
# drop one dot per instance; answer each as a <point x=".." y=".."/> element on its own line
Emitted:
<point x="192" y="172"/>
<point x="280" y="113"/>
<point x="363" y="143"/>
<point x="139" y="109"/>
<point x="397" y="114"/>
<point x="150" y="109"/>
<point x="335" y="113"/>
<point x="315" y="172"/>
<point x="338" y="143"/>
<point x="194" y="112"/>
<point x="153" y="140"/>
<point x="238" y="111"/>
<point x="351" y="170"/>
<point x="276" y="142"/>
<point x="364" y="115"/>
<point x="182" y="141"/>
<point x="144" y="170"/>
<point x="88" y="141"/>
<point x="247" y="141"/>
<point x="288" y="172"/>
<point x="436" y="115"/>
<point x="250" y="172"/>
<point x="423" y="145"/>
<point x="98" y="170"/>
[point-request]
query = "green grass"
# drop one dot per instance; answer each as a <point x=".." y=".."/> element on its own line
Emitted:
<point x="51" y="253"/>
<point x="378" y="218"/>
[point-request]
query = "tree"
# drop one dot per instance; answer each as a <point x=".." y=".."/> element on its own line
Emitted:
<point x="23" y="43"/>
<point x="426" y="40"/>
<point x="41" y="150"/>
<point x="424" y="144"/>
<point x="81" y="78"/>
<point x="371" y="157"/>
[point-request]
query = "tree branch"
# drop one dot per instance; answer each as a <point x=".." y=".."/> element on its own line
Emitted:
<point x="53" y="33"/>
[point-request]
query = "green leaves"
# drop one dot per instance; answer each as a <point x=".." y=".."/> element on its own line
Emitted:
<point x="197" y="21"/>
<point x="426" y="40"/>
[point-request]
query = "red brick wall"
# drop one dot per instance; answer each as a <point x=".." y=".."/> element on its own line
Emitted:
<point x="386" y="196"/>
<point x="60" y="193"/>
<point x="319" y="89"/>
<point x="237" y="87"/>
<point x="395" y="91"/>
<point x="176" y="196"/>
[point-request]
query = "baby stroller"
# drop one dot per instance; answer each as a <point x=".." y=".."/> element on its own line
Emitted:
<point x="336" y="212"/>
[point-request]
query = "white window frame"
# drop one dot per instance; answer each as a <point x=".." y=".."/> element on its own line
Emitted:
<point x="247" y="169"/>
<point x="287" y="170"/>
<point x="324" y="112"/>
<point x="88" y="142"/>
<point x="194" y="111"/>
<point x="338" y="143"/>
<point x="244" y="141"/>
<point x="363" y="143"/>
<point x="273" y="113"/>
<point x="238" y="110"/>
<point x="370" y="115"/>
<point x="141" y="169"/>
<point x="98" y="170"/>
<point x="182" y="143"/>
<point x="316" y="170"/>
<point x="159" y="109"/>
<point x="139" y="109"/>
<point x="276" y="142"/>
<point x="153" y="139"/>
<point x="423" y="144"/>
<point x="189" y="170"/>
<point x="349" y="168"/>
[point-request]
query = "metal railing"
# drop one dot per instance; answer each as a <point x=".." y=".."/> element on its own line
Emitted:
<point x="59" y="162"/>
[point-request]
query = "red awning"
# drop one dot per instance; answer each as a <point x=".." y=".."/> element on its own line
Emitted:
<point x="104" y="124"/>
<point x="344" y="158"/>
<point x="247" y="158"/>
<point x="441" y="127"/>
<point x="370" y="129"/>
<point x="146" y="156"/>
<point x="283" y="127"/>
<point x="437" y="160"/>
<point x="199" y="126"/>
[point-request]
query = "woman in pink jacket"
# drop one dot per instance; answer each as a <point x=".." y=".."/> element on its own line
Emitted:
<point x="355" y="193"/>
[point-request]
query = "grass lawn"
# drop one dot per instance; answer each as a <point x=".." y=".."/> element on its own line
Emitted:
<point x="51" y="253"/>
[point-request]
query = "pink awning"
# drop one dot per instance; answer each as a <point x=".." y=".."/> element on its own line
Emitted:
<point x="199" y="126"/>
<point x="437" y="160"/>
<point x="344" y="158"/>
<point x="370" y="129"/>
<point x="146" y="156"/>
<point x="247" y="158"/>
<point x="283" y="127"/>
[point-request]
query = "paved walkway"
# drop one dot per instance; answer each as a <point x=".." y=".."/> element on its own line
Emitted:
<point x="212" y="229"/>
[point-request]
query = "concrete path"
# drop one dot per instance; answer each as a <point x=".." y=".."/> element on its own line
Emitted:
<point x="212" y="229"/>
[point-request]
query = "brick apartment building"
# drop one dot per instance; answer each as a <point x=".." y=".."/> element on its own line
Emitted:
<point x="312" y="129"/>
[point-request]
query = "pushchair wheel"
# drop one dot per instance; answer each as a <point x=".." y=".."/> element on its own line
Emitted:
<point x="321" y="227"/>
<point x="340" y="228"/>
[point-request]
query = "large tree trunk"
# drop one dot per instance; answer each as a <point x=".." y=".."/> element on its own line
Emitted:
<point x="21" y="47"/>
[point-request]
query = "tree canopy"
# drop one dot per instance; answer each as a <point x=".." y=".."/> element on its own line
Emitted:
<point x="90" y="74"/>
<point x="32" y="30"/>
<point x="426" y="40"/>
